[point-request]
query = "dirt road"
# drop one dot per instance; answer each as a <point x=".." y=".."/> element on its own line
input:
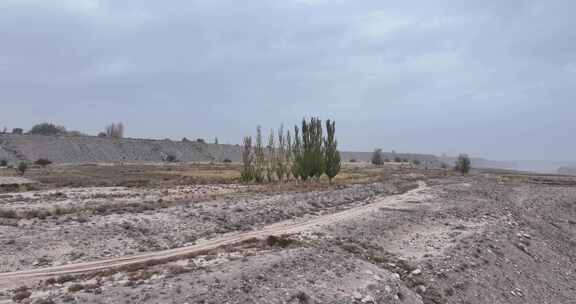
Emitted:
<point x="286" y="227"/>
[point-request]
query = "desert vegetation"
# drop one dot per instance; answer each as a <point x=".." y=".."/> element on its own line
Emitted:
<point x="22" y="168"/>
<point x="463" y="164"/>
<point x="47" y="128"/>
<point x="377" y="158"/>
<point x="306" y="155"/>
<point x="43" y="162"/>
<point x="114" y="130"/>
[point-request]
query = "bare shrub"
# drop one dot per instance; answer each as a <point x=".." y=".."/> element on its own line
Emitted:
<point x="115" y="130"/>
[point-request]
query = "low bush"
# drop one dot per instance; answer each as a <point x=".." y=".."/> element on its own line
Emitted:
<point x="22" y="168"/>
<point x="463" y="164"/>
<point x="43" y="162"/>
<point x="75" y="288"/>
<point x="171" y="158"/>
<point x="47" y="129"/>
<point x="7" y="213"/>
<point x="377" y="158"/>
<point x="21" y="294"/>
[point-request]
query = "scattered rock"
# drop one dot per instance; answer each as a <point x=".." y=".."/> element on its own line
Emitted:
<point x="421" y="289"/>
<point x="416" y="271"/>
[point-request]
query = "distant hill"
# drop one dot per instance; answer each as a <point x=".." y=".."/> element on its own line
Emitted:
<point x="367" y="157"/>
<point x="567" y="170"/>
<point x="481" y="163"/>
<point x="90" y="149"/>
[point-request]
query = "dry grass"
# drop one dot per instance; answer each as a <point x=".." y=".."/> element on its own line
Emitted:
<point x="143" y="175"/>
<point x="174" y="174"/>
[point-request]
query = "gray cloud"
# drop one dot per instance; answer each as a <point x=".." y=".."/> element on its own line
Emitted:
<point x="492" y="78"/>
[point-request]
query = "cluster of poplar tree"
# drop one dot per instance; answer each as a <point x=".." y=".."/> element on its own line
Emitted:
<point x="304" y="155"/>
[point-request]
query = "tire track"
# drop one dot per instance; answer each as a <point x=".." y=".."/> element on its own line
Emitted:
<point x="401" y="201"/>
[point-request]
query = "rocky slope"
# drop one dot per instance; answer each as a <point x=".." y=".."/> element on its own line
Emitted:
<point x="88" y="149"/>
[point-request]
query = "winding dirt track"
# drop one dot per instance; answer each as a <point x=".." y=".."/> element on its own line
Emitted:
<point x="280" y="228"/>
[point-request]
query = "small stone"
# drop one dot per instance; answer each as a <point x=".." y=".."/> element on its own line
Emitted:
<point x="416" y="271"/>
<point x="421" y="289"/>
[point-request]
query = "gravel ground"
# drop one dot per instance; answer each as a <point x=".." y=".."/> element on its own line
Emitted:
<point x="77" y="225"/>
<point x="471" y="240"/>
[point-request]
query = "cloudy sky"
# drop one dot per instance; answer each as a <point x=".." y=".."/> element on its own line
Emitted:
<point x="489" y="77"/>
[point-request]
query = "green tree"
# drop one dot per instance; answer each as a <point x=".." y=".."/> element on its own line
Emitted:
<point x="318" y="161"/>
<point x="377" y="158"/>
<point x="332" y="161"/>
<point x="312" y="160"/>
<point x="247" y="173"/>
<point x="280" y="153"/>
<point x="271" y="157"/>
<point x="297" y="156"/>
<point x="259" y="157"/>
<point x="289" y="157"/>
<point x="47" y="128"/>
<point x="463" y="164"/>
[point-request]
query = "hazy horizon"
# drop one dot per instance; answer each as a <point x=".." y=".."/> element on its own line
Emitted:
<point x="493" y="79"/>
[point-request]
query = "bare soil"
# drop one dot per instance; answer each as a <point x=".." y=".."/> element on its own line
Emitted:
<point x="406" y="237"/>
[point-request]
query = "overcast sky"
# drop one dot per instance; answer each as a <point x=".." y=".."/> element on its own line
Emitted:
<point x="492" y="78"/>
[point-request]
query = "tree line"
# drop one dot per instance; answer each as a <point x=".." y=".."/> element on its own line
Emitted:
<point x="114" y="130"/>
<point x="305" y="154"/>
